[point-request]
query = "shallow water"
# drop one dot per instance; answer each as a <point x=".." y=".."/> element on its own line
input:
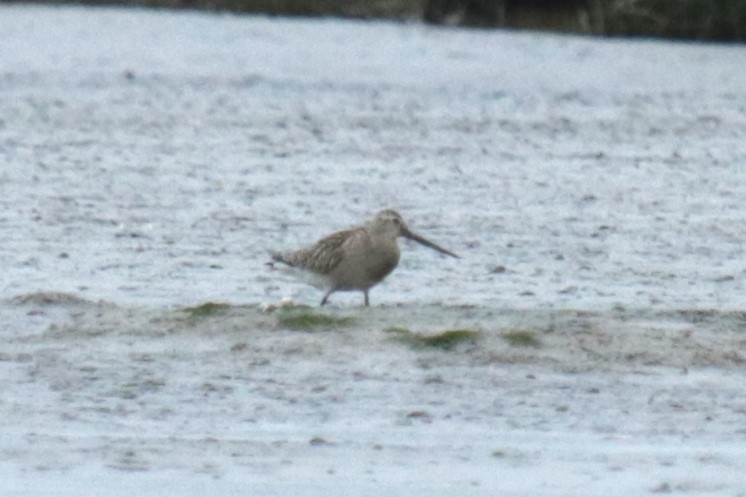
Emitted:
<point x="157" y="157"/>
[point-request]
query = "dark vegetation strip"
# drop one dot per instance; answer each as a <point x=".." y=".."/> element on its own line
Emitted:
<point x="720" y="20"/>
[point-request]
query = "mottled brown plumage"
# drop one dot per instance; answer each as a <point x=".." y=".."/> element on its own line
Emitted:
<point x="358" y="258"/>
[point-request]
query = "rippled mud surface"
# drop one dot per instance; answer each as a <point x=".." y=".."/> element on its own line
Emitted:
<point x="590" y="341"/>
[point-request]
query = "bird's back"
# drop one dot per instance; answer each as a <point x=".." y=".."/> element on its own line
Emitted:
<point x="320" y="258"/>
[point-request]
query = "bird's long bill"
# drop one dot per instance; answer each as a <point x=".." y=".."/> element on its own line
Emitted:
<point x="427" y="243"/>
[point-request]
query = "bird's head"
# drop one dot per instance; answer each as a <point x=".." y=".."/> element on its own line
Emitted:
<point x="389" y="223"/>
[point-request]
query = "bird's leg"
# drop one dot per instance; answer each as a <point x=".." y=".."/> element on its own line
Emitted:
<point x="367" y="303"/>
<point x="326" y="296"/>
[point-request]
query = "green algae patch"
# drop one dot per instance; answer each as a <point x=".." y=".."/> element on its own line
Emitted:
<point x="397" y="330"/>
<point x="445" y="340"/>
<point x="208" y="309"/>
<point x="304" y="319"/>
<point x="522" y="338"/>
<point x="449" y="339"/>
<point x="49" y="298"/>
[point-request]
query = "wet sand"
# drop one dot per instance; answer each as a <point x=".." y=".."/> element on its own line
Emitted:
<point x="237" y="397"/>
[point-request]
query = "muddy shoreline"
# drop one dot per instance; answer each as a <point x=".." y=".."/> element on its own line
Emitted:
<point x="570" y="340"/>
<point x="230" y="394"/>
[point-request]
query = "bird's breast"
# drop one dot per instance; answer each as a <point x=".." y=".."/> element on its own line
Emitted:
<point x="382" y="261"/>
